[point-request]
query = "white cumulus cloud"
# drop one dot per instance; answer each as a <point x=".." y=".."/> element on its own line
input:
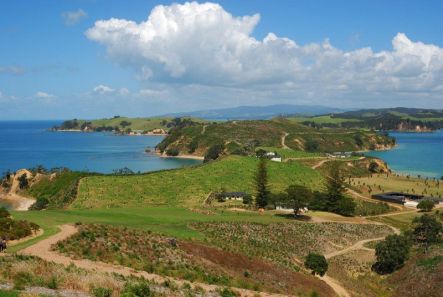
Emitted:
<point x="203" y="44"/>
<point x="102" y="89"/>
<point x="73" y="17"/>
<point x="44" y="95"/>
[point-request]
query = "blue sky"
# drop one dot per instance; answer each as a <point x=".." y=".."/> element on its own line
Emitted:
<point x="50" y="67"/>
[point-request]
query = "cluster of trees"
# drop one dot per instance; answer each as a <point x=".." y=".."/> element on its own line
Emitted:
<point x="297" y="196"/>
<point x="393" y="252"/>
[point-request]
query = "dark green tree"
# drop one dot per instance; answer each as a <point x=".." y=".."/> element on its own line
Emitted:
<point x="391" y="253"/>
<point x="23" y="181"/>
<point x="317" y="263"/>
<point x="125" y="124"/>
<point x="297" y="197"/>
<point x="335" y="186"/>
<point x="214" y="152"/>
<point x="247" y="199"/>
<point x="426" y="205"/>
<point x="345" y="206"/>
<point x="427" y="230"/>
<point x="261" y="185"/>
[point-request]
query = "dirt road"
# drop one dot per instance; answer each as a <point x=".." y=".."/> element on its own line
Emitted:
<point x="43" y="250"/>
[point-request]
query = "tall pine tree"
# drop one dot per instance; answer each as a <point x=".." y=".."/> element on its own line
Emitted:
<point x="261" y="185"/>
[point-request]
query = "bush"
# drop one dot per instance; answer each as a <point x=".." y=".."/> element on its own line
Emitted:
<point x="214" y="152"/>
<point x="40" y="203"/>
<point x="137" y="290"/>
<point x="317" y="263"/>
<point x="101" y="292"/>
<point x="391" y="254"/>
<point x="426" y="205"/>
<point x="427" y="230"/>
<point x="4" y="213"/>
<point x="311" y="145"/>
<point x="172" y="152"/>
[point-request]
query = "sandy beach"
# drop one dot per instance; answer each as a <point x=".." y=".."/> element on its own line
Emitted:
<point x="180" y="156"/>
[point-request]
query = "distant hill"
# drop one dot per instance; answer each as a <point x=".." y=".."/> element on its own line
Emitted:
<point x="243" y="137"/>
<point x="124" y="125"/>
<point x="385" y="119"/>
<point x="257" y="112"/>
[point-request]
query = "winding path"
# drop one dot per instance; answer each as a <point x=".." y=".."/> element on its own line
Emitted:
<point x="283" y="141"/>
<point x="43" y="250"/>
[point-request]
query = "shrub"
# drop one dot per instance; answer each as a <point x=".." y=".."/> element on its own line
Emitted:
<point x="311" y="145"/>
<point x="101" y="292"/>
<point x="214" y="152"/>
<point x="172" y="152"/>
<point x="426" y="205"/>
<point x="4" y="213"/>
<point x="137" y="289"/>
<point x="23" y="181"/>
<point x="427" y="230"/>
<point x="40" y="203"/>
<point x="317" y="263"/>
<point x="21" y="280"/>
<point x="391" y="254"/>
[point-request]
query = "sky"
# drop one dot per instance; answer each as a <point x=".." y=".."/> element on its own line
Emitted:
<point x="62" y="59"/>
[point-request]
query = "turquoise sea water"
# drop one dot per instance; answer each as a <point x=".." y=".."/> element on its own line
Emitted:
<point x="416" y="154"/>
<point x="25" y="144"/>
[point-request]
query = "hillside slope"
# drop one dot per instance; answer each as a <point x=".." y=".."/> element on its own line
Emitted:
<point x="242" y="137"/>
<point x="397" y="119"/>
<point x="159" y="125"/>
<point x="189" y="186"/>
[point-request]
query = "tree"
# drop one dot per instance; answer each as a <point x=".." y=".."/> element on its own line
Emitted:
<point x="214" y="152"/>
<point x="427" y="230"/>
<point x="173" y="151"/>
<point x="317" y="263"/>
<point x="23" y="181"/>
<point x="247" y="199"/>
<point x="125" y="124"/>
<point x="391" y="253"/>
<point x="373" y="167"/>
<point x="311" y="145"/>
<point x="345" y="206"/>
<point x="298" y="197"/>
<point x="261" y="185"/>
<point x="260" y="153"/>
<point x="336" y="201"/>
<point x="335" y="186"/>
<point x="426" y="205"/>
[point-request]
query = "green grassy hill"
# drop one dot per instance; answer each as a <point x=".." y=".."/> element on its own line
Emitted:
<point x="403" y="119"/>
<point x="122" y="124"/>
<point x="243" y="137"/>
<point x="189" y="186"/>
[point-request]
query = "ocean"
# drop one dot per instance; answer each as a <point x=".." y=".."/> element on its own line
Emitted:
<point x="25" y="144"/>
<point x="416" y="154"/>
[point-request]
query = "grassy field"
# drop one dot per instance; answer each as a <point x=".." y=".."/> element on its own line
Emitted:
<point x="172" y="221"/>
<point x="378" y="183"/>
<point x="189" y="186"/>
